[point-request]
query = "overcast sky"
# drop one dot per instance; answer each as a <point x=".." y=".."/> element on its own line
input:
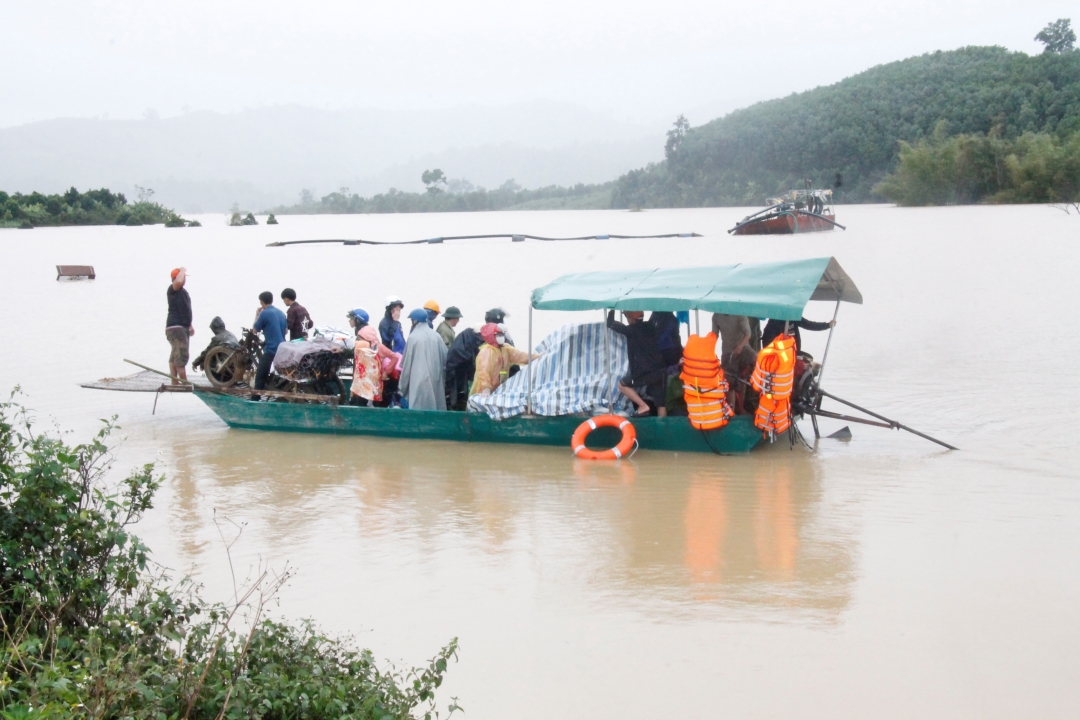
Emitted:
<point x="637" y="60"/>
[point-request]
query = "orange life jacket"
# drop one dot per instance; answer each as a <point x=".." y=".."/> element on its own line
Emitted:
<point x="774" y="377"/>
<point x="704" y="387"/>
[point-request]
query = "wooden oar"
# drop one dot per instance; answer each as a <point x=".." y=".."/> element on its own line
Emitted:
<point x="892" y="423"/>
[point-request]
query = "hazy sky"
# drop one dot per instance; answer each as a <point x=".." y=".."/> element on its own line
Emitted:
<point x="646" y="61"/>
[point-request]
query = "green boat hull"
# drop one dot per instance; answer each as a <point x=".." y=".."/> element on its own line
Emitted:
<point x="654" y="433"/>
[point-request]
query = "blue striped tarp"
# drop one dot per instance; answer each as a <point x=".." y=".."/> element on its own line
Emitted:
<point x="569" y="377"/>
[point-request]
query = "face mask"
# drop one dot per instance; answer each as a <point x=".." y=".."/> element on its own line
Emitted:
<point x="500" y="339"/>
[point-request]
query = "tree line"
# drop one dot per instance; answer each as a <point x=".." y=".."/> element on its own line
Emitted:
<point x="93" y="207"/>
<point x="850" y="135"/>
<point x="446" y="195"/>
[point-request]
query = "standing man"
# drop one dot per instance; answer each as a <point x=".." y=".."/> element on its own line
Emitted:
<point x="735" y="335"/>
<point x="178" y="327"/>
<point x="298" y="319"/>
<point x="446" y="328"/>
<point x="423" y="371"/>
<point x="272" y="324"/>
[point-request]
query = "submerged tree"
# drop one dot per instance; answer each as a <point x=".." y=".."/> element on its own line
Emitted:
<point x="1058" y="36"/>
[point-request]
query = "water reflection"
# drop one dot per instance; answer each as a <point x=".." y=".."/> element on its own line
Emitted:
<point x="668" y="534"/>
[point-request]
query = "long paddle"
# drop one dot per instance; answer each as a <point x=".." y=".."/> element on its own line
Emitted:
<point x="144" y="367"/>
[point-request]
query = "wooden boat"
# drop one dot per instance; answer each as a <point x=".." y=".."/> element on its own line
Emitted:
<point x="776" y="290"/>
<point x="654" y="433"/>
<point x="800" y="211"/>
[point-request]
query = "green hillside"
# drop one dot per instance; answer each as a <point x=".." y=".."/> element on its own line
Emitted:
<point x="854" y="128"/>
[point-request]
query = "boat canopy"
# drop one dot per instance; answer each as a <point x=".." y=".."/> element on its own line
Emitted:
<point x="778" y="290"/>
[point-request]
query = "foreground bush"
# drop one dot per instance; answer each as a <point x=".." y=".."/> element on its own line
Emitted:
<point x="90" y="632"/>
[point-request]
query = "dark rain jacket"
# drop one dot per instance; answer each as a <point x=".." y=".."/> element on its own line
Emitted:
<point x="668" y="337"/>
<point x="642" y="348"/>
<point x="776" y="327"/>
<point x="391" y="335"/>
<point x="461" y="364"/>
<point x="221" y="337"/>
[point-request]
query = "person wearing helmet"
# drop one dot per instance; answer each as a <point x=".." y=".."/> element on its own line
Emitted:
<point x="358" y="319"/>
<point x="433" y="312"/>
<point x="423" y="369"/>
<point x="494" y="361"/>
<point x="446" y="328"/>
<point x="372" y="362"/>
<point x="390" y="325"/>
<point x="498" y="316"/>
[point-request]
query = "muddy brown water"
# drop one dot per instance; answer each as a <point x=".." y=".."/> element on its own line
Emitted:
<point x="880" y="577"/>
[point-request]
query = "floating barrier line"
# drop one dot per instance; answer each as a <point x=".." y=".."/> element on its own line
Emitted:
<point x="514" y="238"/>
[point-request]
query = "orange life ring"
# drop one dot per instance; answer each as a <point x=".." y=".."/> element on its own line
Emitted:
<point x="623" y="449"/>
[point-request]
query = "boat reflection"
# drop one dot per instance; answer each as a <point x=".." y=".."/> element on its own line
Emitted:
<point x="666" y="533"/>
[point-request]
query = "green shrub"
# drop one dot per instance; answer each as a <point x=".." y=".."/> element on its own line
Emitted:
<point x="966" y="169"/>
<point x="89" y="633"/>
<point x="93" y="207"/>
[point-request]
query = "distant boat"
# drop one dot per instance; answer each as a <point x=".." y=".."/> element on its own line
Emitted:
<point x="800" y="211"/>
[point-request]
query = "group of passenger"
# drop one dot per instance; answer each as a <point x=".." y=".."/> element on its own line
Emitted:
<point x="654" y="349"/>
<point x="435" y="368"/>
<point x="438" y="368"/>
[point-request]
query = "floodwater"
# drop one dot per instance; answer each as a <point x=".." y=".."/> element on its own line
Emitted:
<point x="883" y="577"/>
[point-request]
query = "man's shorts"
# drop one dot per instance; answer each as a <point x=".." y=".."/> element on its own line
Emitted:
<point x="178" y="341"/>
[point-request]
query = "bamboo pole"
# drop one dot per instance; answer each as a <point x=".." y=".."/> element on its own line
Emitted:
<point x="528" y="368"/>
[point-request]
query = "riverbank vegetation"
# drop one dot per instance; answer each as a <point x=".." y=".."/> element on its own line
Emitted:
<point x="445" y="195"/>
<point x="972" y="168"/>
<point x="849" y="135"/>
<point x="91" y="630"/>
<point x="93" y="207"/>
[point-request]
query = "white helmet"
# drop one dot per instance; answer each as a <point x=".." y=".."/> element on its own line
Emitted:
<point x="393" y="300"/>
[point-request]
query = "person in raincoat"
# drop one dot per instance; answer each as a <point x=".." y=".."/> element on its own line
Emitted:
<point x="461" y="367"/>
<point x="390" y="325"/>
<point x="221" y="337"/>
<point x="370" y="360"/>
<point x="451" y="318"/>
<point x="494" y="361"/>
<point x="424" y="367"/>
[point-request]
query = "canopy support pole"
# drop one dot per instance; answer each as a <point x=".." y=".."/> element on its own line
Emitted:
<point x="697" y="322"/>
<point x="828" y="342"/>
<point x="821" y="370"/>
<point x="528" y="368"/>
<point x="607" y="363"/>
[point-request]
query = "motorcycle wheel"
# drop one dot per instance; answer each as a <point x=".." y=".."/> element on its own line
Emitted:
<point x="221" y="366"/>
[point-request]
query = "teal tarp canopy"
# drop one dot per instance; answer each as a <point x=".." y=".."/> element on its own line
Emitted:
<point x="777" y="290"/>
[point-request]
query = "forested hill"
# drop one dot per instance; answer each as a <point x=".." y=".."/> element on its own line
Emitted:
<point x="854" y="127"/>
